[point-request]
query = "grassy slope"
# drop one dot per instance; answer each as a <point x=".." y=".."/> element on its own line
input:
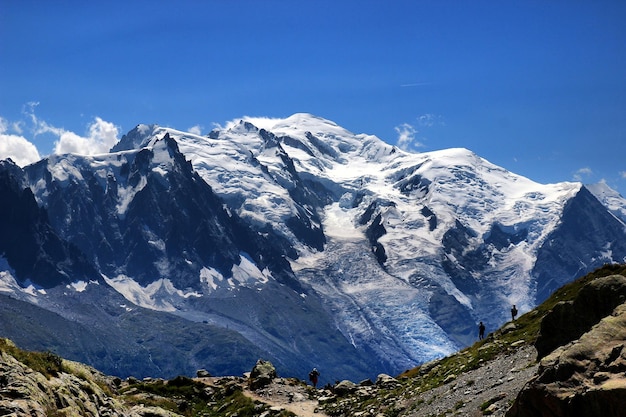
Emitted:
<point x="508" y="337"/>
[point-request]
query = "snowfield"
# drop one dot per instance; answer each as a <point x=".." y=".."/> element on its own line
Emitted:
<point x="398" y="253"/>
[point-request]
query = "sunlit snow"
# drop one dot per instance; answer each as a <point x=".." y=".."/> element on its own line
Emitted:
<point x="455" y="184"/>
<point x="78" y="286"/>
<point x="160" y="295"/>
<point x="416" y="198"/>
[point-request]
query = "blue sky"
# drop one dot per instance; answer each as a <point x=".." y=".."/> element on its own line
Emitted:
<point x="537" y="87"/>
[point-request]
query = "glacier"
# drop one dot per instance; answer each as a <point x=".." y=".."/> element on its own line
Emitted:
<point x="318" y="246"/>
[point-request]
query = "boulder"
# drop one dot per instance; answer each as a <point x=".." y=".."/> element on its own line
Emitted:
<point x="344" y="387"/>
<point x="569" y="320"/>
<point x="386" y="381"/>
<point x="262" y="374"/>
<point x="366" y="383"/>
<point x="584" y="378"/>
<point x="509" y="327"/>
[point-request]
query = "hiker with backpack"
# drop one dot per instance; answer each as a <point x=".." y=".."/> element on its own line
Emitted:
<point x="313" y="375"/>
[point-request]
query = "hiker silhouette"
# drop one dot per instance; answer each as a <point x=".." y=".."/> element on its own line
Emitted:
<point x="481" y="331"/>
<point x="513" y="312"/>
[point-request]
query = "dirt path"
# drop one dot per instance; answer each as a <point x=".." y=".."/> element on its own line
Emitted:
<point x="282" y="394"/>
<point x="300" y="406"/>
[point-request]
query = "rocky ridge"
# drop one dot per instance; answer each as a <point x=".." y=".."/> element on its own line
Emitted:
<point x="586" y="376"/>
<point x="58" y="387"/>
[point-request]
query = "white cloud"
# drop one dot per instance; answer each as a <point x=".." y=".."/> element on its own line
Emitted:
<point x="623" y="174"/>
<point x="582" y="172"/>
<point x="196" y="130"/>
<point x="406" y="137"/>
<point x="100" y="137"/>
<point x="16" y="147"/>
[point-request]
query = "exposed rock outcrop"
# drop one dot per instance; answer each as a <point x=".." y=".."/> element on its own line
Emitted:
<point x="569" y="320"/>
<point x="262" y="374"/>
<point x="81" y="392"/>
<point x="584" y="378"/>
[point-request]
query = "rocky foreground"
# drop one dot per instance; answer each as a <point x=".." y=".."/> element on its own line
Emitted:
<point x="578" y="335"/>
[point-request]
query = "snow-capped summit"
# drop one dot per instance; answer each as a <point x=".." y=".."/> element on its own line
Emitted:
<point x="301" y="241"/>
<point x="610" y="198"/>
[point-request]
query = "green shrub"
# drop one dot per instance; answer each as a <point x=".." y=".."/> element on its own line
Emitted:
<point x="47" y="363"/>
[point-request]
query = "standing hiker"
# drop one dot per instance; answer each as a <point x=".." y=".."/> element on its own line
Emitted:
<point x="481" y="331"/>
<point x="313" y="375"/>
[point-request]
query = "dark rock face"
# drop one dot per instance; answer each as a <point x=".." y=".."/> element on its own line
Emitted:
<point x="569" y="320"/>
<point x="501" y="239"/>
<point x="431" y="217"/>
<point x="31" y="246"/>
<point x="375" y="228"/>
<point x="90" y="217"/>
<point x="175" y="217"/>
<point x="579" y="245"/>
<point x="413" y="184"/>
<point x="584" y="378"/>
<point x="374" y="232"/>
<point x="455" y="243"/>
<point x="452" y="317"/>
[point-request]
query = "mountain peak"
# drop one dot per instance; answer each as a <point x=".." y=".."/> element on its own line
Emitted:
<point x="610" y="198"/>
<point x="298" y="121"/>
<point x="136" y="138"/>
<point x="267" y="223"/>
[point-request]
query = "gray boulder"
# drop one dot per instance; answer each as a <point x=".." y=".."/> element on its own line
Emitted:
<point x="386" y="381"/>
<point x="262" y="374"/>
<point x="345" y="387"/>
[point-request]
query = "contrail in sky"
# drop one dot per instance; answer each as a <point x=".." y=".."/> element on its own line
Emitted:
<point x="414" y="84"/>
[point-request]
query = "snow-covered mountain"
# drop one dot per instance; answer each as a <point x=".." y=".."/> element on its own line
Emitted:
<point x="298" y="240"/>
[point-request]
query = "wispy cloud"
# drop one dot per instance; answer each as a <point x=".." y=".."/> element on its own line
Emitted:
<point x="582" y="173"/>
<point x="623" y="174"/>
<point x="430" y="120"/>
<point x="406" y="137"/>
<point x="408" y="133"/>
